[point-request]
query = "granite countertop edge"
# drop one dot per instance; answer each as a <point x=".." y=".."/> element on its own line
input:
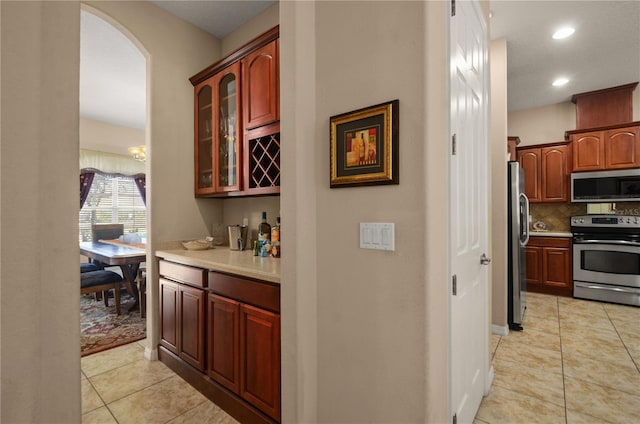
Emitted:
<point x="533" y="233"/>
<point x="242" y="264"/>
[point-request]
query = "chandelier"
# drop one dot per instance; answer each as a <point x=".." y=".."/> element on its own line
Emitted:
<point x="138" y="153"/>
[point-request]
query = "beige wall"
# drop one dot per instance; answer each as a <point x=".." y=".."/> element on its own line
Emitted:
<point x="39" y="309"/>
<point x="545" y="124"/>
<point x="103" y="137"/>
<point x="40" y="45"/>
<point x="498" y="137"/>
<point x="365" y="334"/>
<point x="261" y="23"/>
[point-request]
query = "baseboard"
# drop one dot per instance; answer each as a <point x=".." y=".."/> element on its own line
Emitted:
<point x="500" y="330"/>
<point x="150" y="354"/>
<point x="489" y="381"/>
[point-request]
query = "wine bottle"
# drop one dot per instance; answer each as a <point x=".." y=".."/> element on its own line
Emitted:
<point x="264" y="231"/>
<point x="275" y="239"/>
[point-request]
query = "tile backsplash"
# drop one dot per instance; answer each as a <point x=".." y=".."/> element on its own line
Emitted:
<point x="556" y="216"/>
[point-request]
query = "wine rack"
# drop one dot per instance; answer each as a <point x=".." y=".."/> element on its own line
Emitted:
<point x="264" y="161"/>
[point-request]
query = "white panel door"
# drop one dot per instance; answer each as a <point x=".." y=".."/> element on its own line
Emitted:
<point x="469" y="217"/>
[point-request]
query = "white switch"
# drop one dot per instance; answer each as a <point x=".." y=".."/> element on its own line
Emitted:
<point x="377" y="235"/>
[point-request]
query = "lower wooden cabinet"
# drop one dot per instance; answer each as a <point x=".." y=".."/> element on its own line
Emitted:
<point x="260" y="359"/>
<point x="182" y="321"/>
<point x="229" y="335"/>
<point x="549" y="266"/>
<point x="224" y="341"/>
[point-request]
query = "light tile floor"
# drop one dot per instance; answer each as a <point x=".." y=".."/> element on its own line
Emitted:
<point x="576" y="362"/>
<point x="120" y="386"/>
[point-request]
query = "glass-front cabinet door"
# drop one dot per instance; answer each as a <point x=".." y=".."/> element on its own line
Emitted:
<point x="228" y="129"/>
<point x="204" y="139"/>
<point x="217" y="133"/>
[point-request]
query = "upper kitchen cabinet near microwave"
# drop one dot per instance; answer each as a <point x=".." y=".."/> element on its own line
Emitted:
<point x="615" y="147"/>
<point x="237" y="98"/>
<point x="546" y="171"/>
<point x="611" y="106"/>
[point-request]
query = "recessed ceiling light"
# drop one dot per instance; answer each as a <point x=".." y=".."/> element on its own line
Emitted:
<point x="563" y="33"/>
<point x="560" y="82"/>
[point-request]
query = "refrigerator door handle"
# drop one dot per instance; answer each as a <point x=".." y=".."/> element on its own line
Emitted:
<point x="525" y="220"/>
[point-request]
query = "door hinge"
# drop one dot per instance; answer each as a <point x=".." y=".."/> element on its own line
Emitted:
<point x="453" y="145"/>
<point x="455" y="418"/>
<point x="454" y="285"/>
<point x="453" y="13"/>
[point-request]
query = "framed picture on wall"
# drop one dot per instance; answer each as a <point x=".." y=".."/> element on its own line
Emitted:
<point x="364" y="146"/>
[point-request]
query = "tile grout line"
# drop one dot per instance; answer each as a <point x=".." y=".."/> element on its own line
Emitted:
<point x="564" y="386"/>
<point x="621" y="339"/>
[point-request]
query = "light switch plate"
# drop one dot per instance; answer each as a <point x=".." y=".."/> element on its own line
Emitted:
<point x="377" y="235"/>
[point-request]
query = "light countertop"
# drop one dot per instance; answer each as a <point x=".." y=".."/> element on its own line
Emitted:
<point x="549" y="234"/>
<point x="223" y="259"/>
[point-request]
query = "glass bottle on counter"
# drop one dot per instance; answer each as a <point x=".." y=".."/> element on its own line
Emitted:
<point x="275" y="239"/>
<point x="264" y="231"/>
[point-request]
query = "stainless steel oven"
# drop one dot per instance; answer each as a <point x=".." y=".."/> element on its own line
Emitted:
<point x="606" y="258"/>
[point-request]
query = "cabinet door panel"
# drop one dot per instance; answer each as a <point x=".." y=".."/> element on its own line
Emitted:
<point x="588" y="151"/>
<point x="169" y="315"/>
<point x="260" y="356"/>
<point x="557" y="267"/>
<point x="534" y="265"/>
<point x="555" y="176"/>
<point x="224" y="341"/>
<point x="530" y="161"/>
<point x="260" y="78"/>
<point x="203" y="131"/>
<point x="191" y="312"/>
<point x="622" y="148"/>
<point x="228" y="129"/>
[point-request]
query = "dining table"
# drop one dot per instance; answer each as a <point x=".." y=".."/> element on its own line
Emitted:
<point x="114" y="253"/>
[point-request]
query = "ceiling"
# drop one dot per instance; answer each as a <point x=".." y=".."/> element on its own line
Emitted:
<point x="603" y="52"/>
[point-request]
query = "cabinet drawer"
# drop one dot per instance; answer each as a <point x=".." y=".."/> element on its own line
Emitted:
<point x="550" y="241"/>
<point x="184" y="274"/>
<point x="263" y="295"/>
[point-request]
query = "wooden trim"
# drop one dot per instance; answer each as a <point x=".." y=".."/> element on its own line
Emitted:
<point x="539" y="146"/>
<point x="568" y="134"/>
<point x="258" y="293"/>
<point x="256" y="43"/>
<point x="629" y="87"/>
<point x="189" y="275"/>
<point x="229" y="402"/>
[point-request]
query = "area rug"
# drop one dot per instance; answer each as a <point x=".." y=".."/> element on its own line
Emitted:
<point x="101" y="328"/>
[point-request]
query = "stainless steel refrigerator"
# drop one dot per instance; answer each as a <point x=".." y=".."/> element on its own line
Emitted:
<point x="518" y="236"/>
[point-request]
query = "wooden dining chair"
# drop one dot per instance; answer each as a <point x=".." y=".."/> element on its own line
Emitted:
<point x="106" y="231"/>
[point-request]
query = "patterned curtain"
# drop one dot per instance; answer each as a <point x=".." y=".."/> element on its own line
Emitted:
<point x="86" y="178"/>
<point x="141" y="183"/>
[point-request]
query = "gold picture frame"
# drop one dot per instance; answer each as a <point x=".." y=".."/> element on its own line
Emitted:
<point x="364" y="146"/>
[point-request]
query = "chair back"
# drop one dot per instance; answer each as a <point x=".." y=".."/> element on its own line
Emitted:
<point x="106" y="231"/>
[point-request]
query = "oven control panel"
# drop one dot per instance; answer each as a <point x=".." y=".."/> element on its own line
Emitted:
<point x="607" y="221"/>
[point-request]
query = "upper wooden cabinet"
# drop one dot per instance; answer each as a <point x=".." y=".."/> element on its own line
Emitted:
<point x="234" y="98"/>
<point x="606" y="148"/>
<point x="261" y="86"/>
<point x="611" y="106"/>
<point x="546" y="172"/>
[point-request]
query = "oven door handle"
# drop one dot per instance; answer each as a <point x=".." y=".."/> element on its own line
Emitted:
<point x="620" y="242"/>
<point x="599" y="287"/>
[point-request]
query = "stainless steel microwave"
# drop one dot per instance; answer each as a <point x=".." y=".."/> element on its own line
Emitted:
<point x="606" y="186"/>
